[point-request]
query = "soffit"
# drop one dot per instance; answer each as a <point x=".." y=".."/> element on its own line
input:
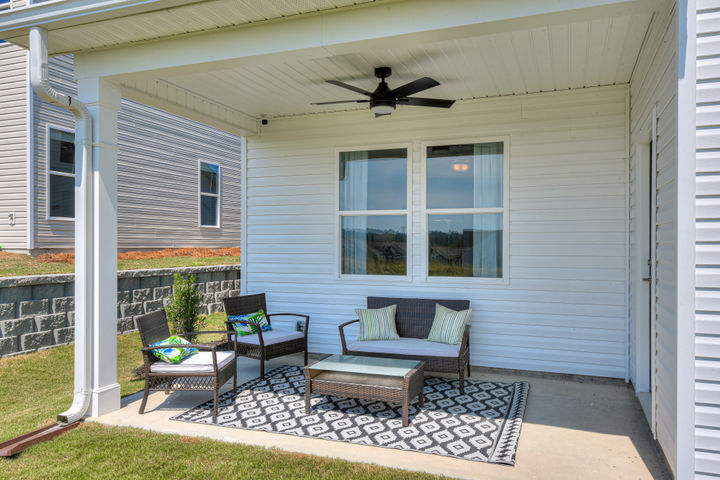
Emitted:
<point x="555" y="57"/>
<point x="169" y="20"/>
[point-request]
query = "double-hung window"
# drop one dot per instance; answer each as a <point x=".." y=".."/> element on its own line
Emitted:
<point x="61" y="174"/>
<point x="209" y="195"/>
<point x="373" y="220"/>
<point x="465" y="207"/>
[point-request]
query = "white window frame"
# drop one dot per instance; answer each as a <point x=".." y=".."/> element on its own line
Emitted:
<point x="218" y="220"/>
<point x="348" y="213"/>
<point x="49" y="172"/>
<point x="504" y="210"/>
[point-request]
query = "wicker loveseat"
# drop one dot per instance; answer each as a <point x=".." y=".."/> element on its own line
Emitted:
<point x="413" y="319"/>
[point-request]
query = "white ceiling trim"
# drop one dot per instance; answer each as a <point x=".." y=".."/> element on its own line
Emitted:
<point x="177" y="100"/>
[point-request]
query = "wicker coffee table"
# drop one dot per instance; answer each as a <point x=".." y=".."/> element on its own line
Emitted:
<point x="369" y="378"/>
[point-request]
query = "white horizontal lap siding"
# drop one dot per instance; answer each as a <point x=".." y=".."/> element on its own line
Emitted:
<point x="13" y="146"/>
<point x="707" y="319"/>
<point x="564" y="309"/>
<point x="158" y="155"/>
<point x="654" y="86"/>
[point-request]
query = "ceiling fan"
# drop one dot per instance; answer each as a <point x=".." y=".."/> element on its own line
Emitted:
<point x="383" y="100"/>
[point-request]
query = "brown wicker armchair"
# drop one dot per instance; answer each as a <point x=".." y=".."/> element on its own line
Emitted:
<point x="208" y="369"/>
<point x="265" y="345"/>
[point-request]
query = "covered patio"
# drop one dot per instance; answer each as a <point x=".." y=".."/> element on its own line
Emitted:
<point x="579" y="101"/>
<point x="573" y="427"/>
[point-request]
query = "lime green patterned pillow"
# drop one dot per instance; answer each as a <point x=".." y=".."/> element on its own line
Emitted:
<point x="243" y="329"/>
<point x="448" y="325"/>
<point x="377" y="324"/>
<point x="173" y="355"/>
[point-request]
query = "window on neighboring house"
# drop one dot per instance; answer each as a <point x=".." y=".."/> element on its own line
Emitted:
<point x="209" y="195"/>
<point x="61" y="174"/>
<point x="465" y="209"/>
<point x="373" y="212"/>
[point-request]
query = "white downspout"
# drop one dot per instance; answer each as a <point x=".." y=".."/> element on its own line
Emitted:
<point x="83" y="218"/>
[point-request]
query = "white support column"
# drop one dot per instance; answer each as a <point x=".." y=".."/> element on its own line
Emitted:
<point x="103" y="102"/>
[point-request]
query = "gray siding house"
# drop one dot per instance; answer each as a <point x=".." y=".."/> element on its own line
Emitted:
<point x="178" y="180"/>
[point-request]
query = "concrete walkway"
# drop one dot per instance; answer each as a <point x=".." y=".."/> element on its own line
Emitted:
<point x="573" y="429"/>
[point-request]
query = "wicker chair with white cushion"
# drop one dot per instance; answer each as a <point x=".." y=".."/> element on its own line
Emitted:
<point x="265" y="345"/>
<point x="208" y="369"/>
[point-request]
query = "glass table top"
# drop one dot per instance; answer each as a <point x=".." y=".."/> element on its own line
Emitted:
<point x="368" y="365"/>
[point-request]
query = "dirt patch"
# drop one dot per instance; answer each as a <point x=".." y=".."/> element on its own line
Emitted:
<point x="137" y="255"/>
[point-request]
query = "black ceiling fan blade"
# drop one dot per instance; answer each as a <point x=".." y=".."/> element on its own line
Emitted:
<point x="381" y="114"/>
<point x="340" y="101"/>
<point x="414" y="87"/>
<point x="426" y="102"/>
<point x="349" y="87"/>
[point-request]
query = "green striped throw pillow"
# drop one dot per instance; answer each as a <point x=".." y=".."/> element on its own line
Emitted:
<point x="377" y="324"/>
<point x="448" y="325"/>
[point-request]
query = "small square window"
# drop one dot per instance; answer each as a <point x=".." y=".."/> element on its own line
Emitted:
<point x="373" y="180"/>
<point x="374" y="245"/>
<point x="466" y="245"/>
<point x="465" y="176"/>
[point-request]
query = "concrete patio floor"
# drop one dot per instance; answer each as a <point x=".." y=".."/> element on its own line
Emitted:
<point x="573" y="428"/>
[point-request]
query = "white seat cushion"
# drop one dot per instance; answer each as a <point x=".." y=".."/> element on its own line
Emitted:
<point x="200" y="362"/>
<point x="271" y="337"/>
<point x="406" y="346"/>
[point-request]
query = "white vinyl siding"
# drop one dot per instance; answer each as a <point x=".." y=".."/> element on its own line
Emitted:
<point x="564" y="309"/>
<point x="157" y="175"/>
<point x="707" y="318"/>
<point x="13" y="146"/>
<point x="654" y="85"/>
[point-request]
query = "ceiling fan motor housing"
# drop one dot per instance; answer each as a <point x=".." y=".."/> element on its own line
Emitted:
<point x="383" y="72"/>
<point x="382" y="100"/>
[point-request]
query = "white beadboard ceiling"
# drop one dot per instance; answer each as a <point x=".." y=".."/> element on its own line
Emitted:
<point x="558" y="57"/>
<point x="172" y="20"/>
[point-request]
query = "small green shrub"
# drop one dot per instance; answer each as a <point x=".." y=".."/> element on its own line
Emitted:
<point x="183" y="310"/>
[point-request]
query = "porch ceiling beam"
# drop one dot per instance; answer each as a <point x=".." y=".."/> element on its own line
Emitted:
<point x="177" y="100"/>
<point x="402" y="22"/>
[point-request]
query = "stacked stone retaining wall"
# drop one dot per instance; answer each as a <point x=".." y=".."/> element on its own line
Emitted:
<point x="37" y="312"/>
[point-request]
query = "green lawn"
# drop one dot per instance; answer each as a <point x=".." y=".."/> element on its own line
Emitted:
<point x="36" y="387"/>
<point x="13" y="264"/>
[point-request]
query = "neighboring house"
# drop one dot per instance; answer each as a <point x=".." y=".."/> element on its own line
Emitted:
<point x="178" y="180"/>
<point x="581" y="157"/>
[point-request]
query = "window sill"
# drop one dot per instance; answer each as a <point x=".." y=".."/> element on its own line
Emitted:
<point x="375" y="278"/>
<point x="468" y="280"/>
<point x="61" y="219"/>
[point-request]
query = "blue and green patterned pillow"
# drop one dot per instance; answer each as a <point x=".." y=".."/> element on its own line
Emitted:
<point x="170" y="354"/>
<point x="448" y="325"/>
<point x="243" y="329"/>
<point x="377" y="323"/>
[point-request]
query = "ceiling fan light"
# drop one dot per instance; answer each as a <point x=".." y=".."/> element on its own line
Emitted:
<point x="382" y="109"/>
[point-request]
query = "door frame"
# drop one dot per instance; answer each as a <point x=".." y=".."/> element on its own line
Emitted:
<point x="644" y="257"/>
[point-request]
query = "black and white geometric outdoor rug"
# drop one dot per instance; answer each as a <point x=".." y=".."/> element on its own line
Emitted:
<point x="482" y="425"/>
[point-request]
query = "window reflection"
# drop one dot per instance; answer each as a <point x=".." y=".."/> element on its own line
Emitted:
<point x="374" y="245"/>
<point x="465" y="245"/>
